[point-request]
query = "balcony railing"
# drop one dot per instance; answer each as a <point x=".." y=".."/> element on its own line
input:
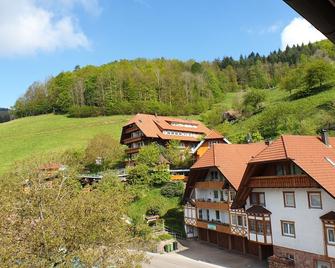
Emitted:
<point x="132" y="139"/>
<point x="209" y="185"/>
<point x="212" y="204"/>
<point x="287" y="181"/>
<point x="131" y="129"/>
<point x="214" y="225"/>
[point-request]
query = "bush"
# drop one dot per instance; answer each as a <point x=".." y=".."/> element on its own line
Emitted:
<point x="84" y="111"/>
<point x="153" y="210"/>
<point x="163" y="237"/>
<point x="172" y="189"/>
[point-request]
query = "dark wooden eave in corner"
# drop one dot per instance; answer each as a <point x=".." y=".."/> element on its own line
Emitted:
<point x="320" y="13"/>
<point x="330" y="216"/>
<point x="257" y="210"/>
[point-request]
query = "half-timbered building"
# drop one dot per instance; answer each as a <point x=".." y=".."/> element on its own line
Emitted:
<point x="288" y="194"/>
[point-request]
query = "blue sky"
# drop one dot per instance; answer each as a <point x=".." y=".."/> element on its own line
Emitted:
<point x="39" y="38"/>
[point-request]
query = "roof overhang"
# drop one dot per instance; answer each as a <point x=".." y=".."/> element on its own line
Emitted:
<point x="320" y="13"/>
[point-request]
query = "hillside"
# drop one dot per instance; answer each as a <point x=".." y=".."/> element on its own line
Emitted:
<point x="164" y="86"/>
<point x="27" y="136"/>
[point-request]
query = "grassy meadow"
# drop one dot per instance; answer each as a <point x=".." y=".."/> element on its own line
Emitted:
<point x="49" y="133"/>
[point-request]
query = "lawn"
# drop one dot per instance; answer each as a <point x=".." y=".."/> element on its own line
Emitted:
<point x="40" y="134"/>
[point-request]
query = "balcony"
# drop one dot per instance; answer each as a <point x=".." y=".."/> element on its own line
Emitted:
<point x="132" y="139"/>
<point x="209" y="204"/>
<point x="214" y="225"/>
<point x="209" y="185"/>
<point x="287" y="181"/>
<point x="131" y="129"/>
<point x="132" y="150"/>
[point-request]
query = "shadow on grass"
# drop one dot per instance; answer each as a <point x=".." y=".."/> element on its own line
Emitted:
<point x="174" y="220"/>
<point x="303" y="93"/>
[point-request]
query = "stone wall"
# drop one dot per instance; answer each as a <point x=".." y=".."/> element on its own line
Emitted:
<point x="302" y="259"/>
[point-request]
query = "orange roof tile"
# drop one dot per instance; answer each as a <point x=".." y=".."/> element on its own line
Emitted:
<point x="152" y="126"/>
<point x="230" y="159"/>
<point x="309" y="153"/>
<point x="213" y="135"/>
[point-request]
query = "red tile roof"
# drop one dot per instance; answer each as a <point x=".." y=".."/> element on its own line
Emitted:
<point x="230" y="159"/>
<point x="213" y="135"/>
<point x="309" y="153"/>
<point x="153" y="126"/>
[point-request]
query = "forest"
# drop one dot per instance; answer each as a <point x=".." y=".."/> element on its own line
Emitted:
<point x="162" y="86"/>
<point x="4" y="115"/>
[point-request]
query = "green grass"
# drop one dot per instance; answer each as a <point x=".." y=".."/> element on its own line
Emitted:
<point x="40" y="134"/>
<point x="170" y="208"/>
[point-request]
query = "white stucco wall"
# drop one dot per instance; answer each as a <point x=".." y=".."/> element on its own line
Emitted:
<point x="224" y="216"/>
<point x="308" y="226"/>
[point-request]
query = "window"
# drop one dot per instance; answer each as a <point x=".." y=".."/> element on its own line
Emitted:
<point x="314" y="200"/>
<point x="268" y="228"/>
<point x="289" y="199"/>
<point x="214" y="175"/>
<point x="200" y="214"/>
<point x="217" y="214"/>
<point x="252" y="226"/>
<point x="331" y="236"/>
<point x="216" y="194"/>
<point x="322" y="264"/>
<point x="207" y="214"/>
<point x="287" y="228"/>
<point x="260" y="227"/>
<point x="244" y="221"/>
<point x="295" y="169"/>
<point x="221" y="196"/>
<point x="239" y="221"/>
<point x="257" y="199"/>
<point x="233" y="219"/>
<point x="232" y="196"/>
<point x="280" y="170"/>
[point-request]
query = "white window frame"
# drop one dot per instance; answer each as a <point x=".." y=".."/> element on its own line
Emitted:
<point x="333" y="230"/>
<point x="288" y="223"/>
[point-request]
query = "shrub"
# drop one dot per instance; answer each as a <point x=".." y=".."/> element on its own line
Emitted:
<point x="84" y="111"/>
<point x="153" y="210"/>
<point x="172" y="189"/>
<point x="166" y="236"/>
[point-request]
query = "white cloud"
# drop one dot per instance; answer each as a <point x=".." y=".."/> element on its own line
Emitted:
<point x="27" y="28"/>
<point x="299" y="31"/>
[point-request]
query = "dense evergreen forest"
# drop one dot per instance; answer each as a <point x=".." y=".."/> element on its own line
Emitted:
<point x="167" y="87"/>
<point x="4" y="115"/>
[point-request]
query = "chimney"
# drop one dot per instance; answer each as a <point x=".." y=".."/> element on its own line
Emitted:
<point x="324" y="136"/>
<point x="267" y="142"/>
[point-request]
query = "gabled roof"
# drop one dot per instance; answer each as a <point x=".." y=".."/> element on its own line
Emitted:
<point x="214" y="135"/>
<point x="309" y="153"/>
<point x="152" y="126"/>
<point x="230" y="159"/>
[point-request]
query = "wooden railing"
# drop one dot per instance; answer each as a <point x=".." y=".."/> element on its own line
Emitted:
<point x="212" y="205"/>
<point x="132" y="139"/>
<point x="132" y="150"/>
<point x="214" y="225"/>
<point x="287" y="181"/>
<point x="131" y="129"/>
<point x="209" y="185"/>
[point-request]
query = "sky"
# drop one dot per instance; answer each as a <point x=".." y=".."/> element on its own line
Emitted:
<point x="41" y="38"/>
